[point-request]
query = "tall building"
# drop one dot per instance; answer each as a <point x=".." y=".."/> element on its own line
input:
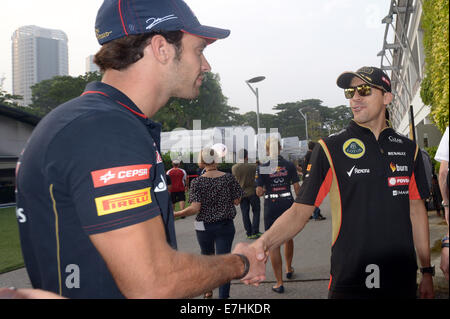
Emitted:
<point x="37" y="54"/>
<point x="90" y="65"/>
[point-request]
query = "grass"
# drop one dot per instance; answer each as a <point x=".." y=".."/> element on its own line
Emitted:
<point x="10" y="251"/>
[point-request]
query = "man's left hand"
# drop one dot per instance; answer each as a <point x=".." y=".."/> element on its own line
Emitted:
<point x="426" y="290"/>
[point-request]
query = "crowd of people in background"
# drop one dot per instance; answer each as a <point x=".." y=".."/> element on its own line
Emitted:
<point x="214" y="193"/>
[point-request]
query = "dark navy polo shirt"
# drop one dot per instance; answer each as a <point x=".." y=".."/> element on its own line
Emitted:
<point x="370" y="183"/>
<point x="276" y="177"/>
<point x="92" y="165"/>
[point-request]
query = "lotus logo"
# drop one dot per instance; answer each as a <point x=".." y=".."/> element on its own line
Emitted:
<point x="354" y="148"/>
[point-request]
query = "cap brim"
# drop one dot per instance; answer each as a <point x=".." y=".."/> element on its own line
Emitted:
<point x="211" y="34"/>
<point x="345" y="79"/>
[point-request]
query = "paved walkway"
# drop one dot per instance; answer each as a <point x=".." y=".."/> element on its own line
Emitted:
<point x="311" y="260"/>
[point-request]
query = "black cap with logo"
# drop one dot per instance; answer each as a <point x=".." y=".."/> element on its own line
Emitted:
<point x="369" y="74"/>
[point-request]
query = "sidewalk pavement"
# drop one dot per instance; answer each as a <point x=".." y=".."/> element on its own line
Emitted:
<point x="311" y="260"/>
<point x="438" y="229"/>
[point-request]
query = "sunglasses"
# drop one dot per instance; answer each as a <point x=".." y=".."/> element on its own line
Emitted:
<point x="363" y="90"/>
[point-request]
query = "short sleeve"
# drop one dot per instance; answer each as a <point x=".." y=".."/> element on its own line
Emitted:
<point x="293" y="173"/>
<point x="316" y="184"/>
<point x="259" y="180"/>
<point x="418" y="185"/>
<point x="442" y="151"/>
<point x="195" y="191"/>
<point x="110" y="170"/>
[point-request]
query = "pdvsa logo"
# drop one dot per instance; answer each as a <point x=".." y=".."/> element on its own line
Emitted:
<point x="354" y="148"/>
<point x="398" y="181"/>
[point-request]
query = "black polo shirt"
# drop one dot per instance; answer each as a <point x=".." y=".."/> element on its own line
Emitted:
<point x="370" y="183"/>
<point x="92" y="165"/>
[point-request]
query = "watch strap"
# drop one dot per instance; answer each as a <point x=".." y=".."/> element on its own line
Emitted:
<point x="246" y="265"/>
<point x="427" y="270"/>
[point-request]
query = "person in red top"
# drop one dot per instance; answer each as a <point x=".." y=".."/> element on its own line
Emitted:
<point x="179" y="179"/>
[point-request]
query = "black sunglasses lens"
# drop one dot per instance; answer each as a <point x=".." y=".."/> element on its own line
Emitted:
<point x="364" y="90"/>
<point x="349" y="93"/>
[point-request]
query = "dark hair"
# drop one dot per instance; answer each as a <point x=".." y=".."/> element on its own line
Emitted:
<point x="243" y="153"/>
<point x="311" y="145"/>
<point x="121" y="53"/>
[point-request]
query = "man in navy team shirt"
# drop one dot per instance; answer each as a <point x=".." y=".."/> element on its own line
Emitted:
<point x="96" y="218"/>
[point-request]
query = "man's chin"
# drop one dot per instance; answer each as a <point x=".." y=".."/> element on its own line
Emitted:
<point x="189" y="96"/>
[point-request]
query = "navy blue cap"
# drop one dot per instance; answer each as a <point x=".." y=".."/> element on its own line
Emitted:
<point x="120" y="18"/>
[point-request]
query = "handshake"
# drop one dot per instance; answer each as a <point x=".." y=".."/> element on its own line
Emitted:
<point x="257" y="255"/>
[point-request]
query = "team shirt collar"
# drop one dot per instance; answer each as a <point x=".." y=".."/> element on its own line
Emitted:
<point x="120" y="98"/>
<point x="363" y="129"/>
<point x="124" y="101"/>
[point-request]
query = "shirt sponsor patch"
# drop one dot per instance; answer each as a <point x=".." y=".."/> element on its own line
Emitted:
<point x="356" y="170"/>
<point x="123" y="201"/>
<point x="394" y="139"/>
<point x="398" y="181"/>
<point x="121" y="174"/>
<point x="398" y="168"/>
<point x="158" y="158"/>
<point x="354" y="148"/>
<point x="399" y="192"/>
<point x="396" y="153"/>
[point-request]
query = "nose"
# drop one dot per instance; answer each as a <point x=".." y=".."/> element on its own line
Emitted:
<point x="205" y="65"/>
<point x="356" y="96"/>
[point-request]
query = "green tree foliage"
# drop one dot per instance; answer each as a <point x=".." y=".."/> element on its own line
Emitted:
<point x="48" y="94"/>
<point x="9" y="99"/>
<point x="211" y="107"/>
<point x="435" y="85"/>
<point x="322" y="120"/>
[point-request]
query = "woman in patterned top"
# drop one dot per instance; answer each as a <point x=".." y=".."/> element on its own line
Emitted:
<point x="213" y="196"/>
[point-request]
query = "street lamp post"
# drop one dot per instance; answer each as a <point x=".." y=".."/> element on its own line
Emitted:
<point x="305" y="116"/>
<point x="255" y="91"/>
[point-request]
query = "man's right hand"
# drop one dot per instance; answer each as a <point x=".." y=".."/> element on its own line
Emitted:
<point x="257" y="272"/>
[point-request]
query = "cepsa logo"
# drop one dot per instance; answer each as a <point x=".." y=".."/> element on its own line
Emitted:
<point x="123" y="201"/>
<point x="122" y="174"/>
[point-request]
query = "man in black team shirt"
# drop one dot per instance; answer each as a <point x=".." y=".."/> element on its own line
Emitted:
<point x="95" y="216"/>
<point x="376" y="182"/>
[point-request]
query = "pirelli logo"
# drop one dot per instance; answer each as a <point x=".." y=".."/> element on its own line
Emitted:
<point x="123" y="201"/>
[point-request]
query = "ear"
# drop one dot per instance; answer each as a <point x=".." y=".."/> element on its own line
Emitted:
<point x="387" y="98"/>
<point x="160" y="48"/>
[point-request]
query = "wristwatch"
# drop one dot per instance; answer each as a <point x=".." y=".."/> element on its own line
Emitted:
<point x="444" y="204"/>
<point x="246" y="265"/>
<point x="427" y="270"/>
<point x="444" y="242"/>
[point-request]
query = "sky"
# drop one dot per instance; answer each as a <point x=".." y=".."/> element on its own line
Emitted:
<point x="300" y="46"/>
